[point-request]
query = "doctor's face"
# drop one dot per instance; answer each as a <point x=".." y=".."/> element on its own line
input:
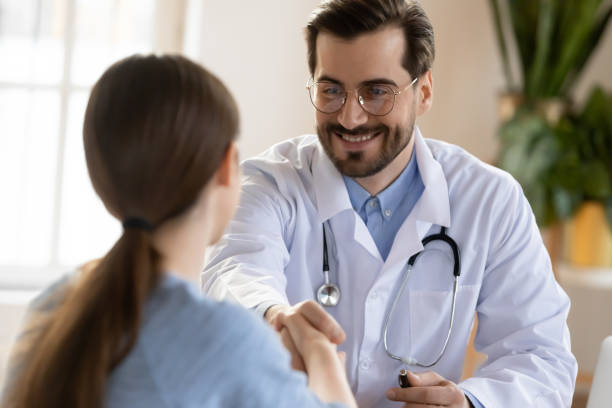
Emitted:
<point x="359" y="143"/>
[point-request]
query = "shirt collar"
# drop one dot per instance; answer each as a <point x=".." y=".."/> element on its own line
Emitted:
<point x="391" y="197"/>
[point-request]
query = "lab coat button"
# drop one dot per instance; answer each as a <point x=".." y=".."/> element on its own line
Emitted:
<point x="365" y="364"/>
<point x="374" y="295"/>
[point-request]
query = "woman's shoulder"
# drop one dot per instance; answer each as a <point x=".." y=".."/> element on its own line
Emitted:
<point x="179" y="319"/>
<point x="204" y="350"/>
<point x="176" y="302"/>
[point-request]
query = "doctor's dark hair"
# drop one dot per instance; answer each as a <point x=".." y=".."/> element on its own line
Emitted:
<point x="156" y="130"/>
<point x="348" y="19"/>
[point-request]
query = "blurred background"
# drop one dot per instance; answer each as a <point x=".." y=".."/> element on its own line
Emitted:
<point x="525" y="85"/>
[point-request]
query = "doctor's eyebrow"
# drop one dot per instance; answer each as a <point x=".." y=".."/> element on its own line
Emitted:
<point x="375" y="81"/>
<point x="379" y="81"/>
<point x="328" y="79"/>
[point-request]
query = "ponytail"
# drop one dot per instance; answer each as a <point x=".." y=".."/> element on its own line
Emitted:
<point x="155" y="131"/>
<point x="69" y="356"/>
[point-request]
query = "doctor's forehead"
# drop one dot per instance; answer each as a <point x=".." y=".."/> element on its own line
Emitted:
<point x="372" y="55"/>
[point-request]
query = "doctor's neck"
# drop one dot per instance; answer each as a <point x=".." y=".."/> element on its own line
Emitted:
<point x="379" y="181"/>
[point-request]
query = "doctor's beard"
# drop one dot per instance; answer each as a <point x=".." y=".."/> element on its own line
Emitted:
<point x="355" y="165"/>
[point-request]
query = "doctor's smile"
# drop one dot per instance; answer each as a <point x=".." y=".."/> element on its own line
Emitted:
<point x="358" y="138"/>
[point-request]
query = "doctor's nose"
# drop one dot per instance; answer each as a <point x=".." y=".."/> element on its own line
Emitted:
<point x="352" y="115"/>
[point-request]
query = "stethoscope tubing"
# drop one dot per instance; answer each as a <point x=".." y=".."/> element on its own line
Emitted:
<point x="410" y="360"/>
<point x="329" y="294"/>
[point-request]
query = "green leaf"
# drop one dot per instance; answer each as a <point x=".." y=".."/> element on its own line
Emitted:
<point x="573" y="44"/>
<point x="590" y="44"/>
<point x="501" y="42"/>
<point x="524" y="17"/>
<point x="565" y="202"/>
<point x="544" y="34"/>
<point x="597" y="182"/>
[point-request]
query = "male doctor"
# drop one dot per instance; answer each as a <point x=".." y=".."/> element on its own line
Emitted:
<point x="378" y="188"/>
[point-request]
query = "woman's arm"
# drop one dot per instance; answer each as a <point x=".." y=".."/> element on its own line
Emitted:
<point x="325" y="369"/>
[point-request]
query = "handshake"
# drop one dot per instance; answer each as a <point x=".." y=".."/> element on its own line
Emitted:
<point x="311" y="336"/>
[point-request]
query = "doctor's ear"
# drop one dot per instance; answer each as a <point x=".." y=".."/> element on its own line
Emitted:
<point x="424" y="92"/>
<point x="228" y="169"/>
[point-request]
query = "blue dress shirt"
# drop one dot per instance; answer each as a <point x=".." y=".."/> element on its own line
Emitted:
<point x="384" y="213"/>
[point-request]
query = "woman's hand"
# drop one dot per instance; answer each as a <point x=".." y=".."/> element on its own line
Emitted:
<point x="323" y="364"/>
<point x="314" y="314"/>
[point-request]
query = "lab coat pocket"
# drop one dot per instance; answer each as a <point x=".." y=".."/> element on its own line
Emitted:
<point x="430" y="315"/>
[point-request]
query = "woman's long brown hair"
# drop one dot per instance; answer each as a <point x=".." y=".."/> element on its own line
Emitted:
<point x="155" y="131"/>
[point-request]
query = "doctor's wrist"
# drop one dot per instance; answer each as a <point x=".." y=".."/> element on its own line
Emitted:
<point x="272" y="311"/>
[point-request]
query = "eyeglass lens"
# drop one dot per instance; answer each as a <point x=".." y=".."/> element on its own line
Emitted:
<point x="328" y="97"/>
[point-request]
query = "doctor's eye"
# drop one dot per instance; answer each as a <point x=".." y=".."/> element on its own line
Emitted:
<point x="329" y="90"/>
<point x="375" y="92"/>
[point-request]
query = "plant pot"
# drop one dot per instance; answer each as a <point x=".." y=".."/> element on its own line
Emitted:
<point x="588" y="237"/>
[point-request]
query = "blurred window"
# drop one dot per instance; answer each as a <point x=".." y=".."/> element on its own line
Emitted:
<point x="52" y="51"/>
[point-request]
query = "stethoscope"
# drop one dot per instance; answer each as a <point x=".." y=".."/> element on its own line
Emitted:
<point x="329" y="293"/>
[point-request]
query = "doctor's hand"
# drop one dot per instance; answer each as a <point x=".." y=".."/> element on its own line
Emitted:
<point x="314" y="314"/>
<point x="429" y="389"/>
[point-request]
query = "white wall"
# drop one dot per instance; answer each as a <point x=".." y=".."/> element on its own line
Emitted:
<point x="258" y="48"/>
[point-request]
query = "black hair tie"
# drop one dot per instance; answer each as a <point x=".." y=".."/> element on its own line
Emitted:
<point x="137" y="223"/>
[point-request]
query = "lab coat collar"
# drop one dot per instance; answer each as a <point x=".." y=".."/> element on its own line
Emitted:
<point x="433" y="207"/>
<point x="330" y="190"/>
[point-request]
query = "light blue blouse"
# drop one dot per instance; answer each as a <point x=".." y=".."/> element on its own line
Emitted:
<point x="195" y="352"/>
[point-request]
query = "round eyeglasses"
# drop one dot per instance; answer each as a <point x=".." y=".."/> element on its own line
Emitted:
<point x="375" y="99"/>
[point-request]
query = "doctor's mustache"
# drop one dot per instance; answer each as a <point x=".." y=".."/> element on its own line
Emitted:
<point x="360" y="130"/>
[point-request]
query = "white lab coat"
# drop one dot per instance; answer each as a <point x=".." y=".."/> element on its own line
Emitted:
<point x="272" y="253"/>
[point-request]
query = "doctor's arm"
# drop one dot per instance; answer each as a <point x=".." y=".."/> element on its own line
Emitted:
<point x="522" y="314"/>
<point x="247" y="265"/>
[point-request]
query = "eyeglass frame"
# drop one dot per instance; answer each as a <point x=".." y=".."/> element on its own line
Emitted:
<point x="311" y="82"/>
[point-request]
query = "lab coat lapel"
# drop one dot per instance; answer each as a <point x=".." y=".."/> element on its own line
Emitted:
<point x="432" y="208"/>
<point x="332" y="198"/>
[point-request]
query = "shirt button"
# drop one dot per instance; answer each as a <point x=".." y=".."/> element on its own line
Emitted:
<point x="388" y="213"/>
<point x="373" y="203"/>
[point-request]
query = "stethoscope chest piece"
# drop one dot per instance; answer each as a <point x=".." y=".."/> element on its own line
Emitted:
<point x="328" y="294"/>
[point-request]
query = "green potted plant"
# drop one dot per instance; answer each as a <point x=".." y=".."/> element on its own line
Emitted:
<point x="558" y="153"/>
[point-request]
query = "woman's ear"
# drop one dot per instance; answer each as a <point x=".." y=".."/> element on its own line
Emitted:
<point x="425" y="93"/>
<point x="228" y="167"/>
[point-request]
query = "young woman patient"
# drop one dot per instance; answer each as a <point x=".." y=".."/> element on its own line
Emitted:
<point x="129" y="330"/>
